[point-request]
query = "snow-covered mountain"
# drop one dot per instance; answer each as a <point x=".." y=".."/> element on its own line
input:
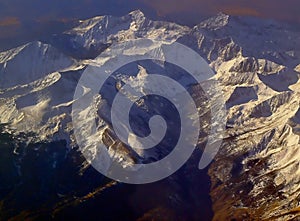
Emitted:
<point x="255" y="175"/>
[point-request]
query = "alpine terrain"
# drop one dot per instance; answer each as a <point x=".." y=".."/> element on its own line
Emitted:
<point x="255" y="175"/>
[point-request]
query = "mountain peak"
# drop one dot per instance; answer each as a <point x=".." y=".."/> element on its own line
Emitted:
<point x="222" y="20"/>
<point x="215" y="22"/>
<point x="5" y="56"/>
<point x="137" y="13"/>
<point x="30" y="62"/>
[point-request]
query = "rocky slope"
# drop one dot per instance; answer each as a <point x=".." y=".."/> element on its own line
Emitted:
<point x="255" y="175"/>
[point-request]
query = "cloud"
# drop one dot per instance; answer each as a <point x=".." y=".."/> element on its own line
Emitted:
<point x="10" y="21"/>
<point x="32" y="9"/>
<point x="287" y="10"/>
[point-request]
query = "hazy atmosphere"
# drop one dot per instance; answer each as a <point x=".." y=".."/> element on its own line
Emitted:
<point x="31" y="19"/>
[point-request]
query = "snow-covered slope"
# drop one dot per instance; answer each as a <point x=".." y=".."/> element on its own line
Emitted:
<point x="108" y="29"/>
<point x="25" y="64"/>
<point x="256" y="173"/>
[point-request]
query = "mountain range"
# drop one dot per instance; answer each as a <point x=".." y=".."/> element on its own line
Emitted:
<point x="255" y="175"/>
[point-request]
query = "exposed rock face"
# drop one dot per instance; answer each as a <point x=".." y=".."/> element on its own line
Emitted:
<point x="255" y="176"/>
